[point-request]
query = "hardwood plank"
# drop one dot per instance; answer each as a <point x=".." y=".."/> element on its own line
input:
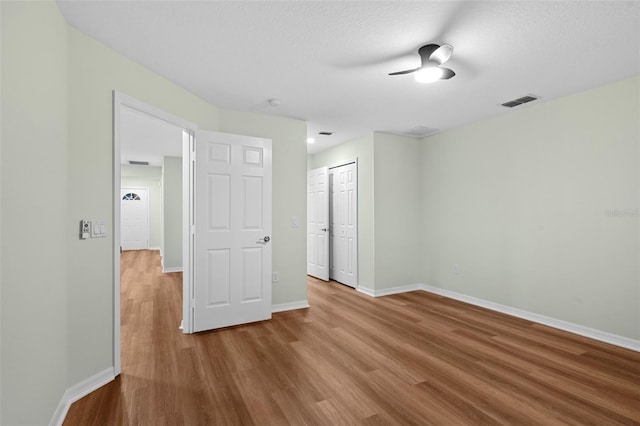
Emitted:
<point x="412" y="358"/>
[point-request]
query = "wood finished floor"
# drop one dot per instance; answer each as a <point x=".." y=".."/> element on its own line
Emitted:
<point x="412" y="358"/>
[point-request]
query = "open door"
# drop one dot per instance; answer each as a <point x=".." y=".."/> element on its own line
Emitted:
<point x="232" y="236"/>
<point x="318" y="223"/>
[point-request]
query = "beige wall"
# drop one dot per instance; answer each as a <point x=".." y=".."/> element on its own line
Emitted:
<point x="172" y="214"/>
<point x="523" y="201"/>
<point x="397" y="201"/>
<point x="34" y="217"/>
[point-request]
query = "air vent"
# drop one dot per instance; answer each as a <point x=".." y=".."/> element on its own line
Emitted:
<point x="420" y="132"/>
<point x="325" y="133"/>
<point x="139" y="163"/>
<point x="520" y="101"/>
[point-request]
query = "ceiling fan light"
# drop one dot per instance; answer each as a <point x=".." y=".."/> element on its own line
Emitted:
<point x="428" y="75"/>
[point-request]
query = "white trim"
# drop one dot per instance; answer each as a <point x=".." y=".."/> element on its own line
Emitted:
<point x="170" y="270"/>
<point x="188" y="225"/>
<point x="155" y="248"/>
<point x="290" y="306"/>
<point x="366" y="290"/>
<point x="118" y="101"/>
<point x="389" y="291"/>
<point x="581" y="330"/>
<point x="80" y="390"/>
<point x="578" y="329"/>
<point x="121" y="100"/>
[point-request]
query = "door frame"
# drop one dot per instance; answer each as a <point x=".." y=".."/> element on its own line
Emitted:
<point x="148" y="214"/>
<point x="121" y="100"/>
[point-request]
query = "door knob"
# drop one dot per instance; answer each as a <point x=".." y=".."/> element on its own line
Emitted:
<point x="266" y="239"/>
<point x="324" y="229"/>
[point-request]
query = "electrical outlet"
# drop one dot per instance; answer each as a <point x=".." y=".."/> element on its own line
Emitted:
<point x="275" y="277"/>
<point x="456" y="268"/>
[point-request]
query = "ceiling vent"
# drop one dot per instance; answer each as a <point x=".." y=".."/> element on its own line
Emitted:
<point x="139" y="163"/>
<point x="420" y="132"/>
<point x="325" y="133"/>
<point x="520" y="101"/>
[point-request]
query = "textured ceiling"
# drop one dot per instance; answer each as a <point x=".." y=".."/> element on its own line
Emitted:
<point x="327" y="61"/>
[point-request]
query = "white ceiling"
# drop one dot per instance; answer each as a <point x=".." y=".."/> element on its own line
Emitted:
<point x="146" y="138"/>
<point x="327" y="61"/>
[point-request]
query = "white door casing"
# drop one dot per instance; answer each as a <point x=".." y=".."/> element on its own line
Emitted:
<point x="318" y="223"/>
<point x="343" y="224"/>
<point x="134" y="218"/>
<point x="232" y="259"/>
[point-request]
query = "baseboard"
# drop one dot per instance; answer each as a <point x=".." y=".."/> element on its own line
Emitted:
<point x="78" y="391"/>
<point x="170" y="270"/>
<point x="581" y="330"/>
<point x="281" y="307"/>
<point x="389" y="291"/>
<point x="154" y="248"/>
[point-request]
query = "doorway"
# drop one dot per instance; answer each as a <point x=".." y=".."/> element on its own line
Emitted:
<point x="332" y="223"/>
<point x="122" y="104"/>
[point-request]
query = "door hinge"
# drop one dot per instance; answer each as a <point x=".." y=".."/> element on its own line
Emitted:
<point x="193" y="230"/>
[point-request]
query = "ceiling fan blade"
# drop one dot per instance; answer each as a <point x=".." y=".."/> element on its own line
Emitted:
<point x="426" y="51"/>
<point x="447" y="73"/>
<point x="442" y="54"/>
<point x="404" y="72"/>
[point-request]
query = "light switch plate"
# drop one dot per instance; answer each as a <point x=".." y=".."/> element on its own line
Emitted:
<point x="98" y="229"/>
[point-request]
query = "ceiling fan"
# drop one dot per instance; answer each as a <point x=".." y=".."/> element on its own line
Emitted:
<point x="432" y="56"/>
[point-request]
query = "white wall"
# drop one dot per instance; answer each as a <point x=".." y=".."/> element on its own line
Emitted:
<point x="147" y="177"/>
<point x="523" y="203"/>
<point x="172" y="214"/>
<point x="34" y="215"/>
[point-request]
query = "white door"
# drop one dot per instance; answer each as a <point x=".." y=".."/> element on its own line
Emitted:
<point x="134" y="218"/>
<point x="343" y="217"/>
<point x="232" y="262"/>
<point x="318" y="223"/>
